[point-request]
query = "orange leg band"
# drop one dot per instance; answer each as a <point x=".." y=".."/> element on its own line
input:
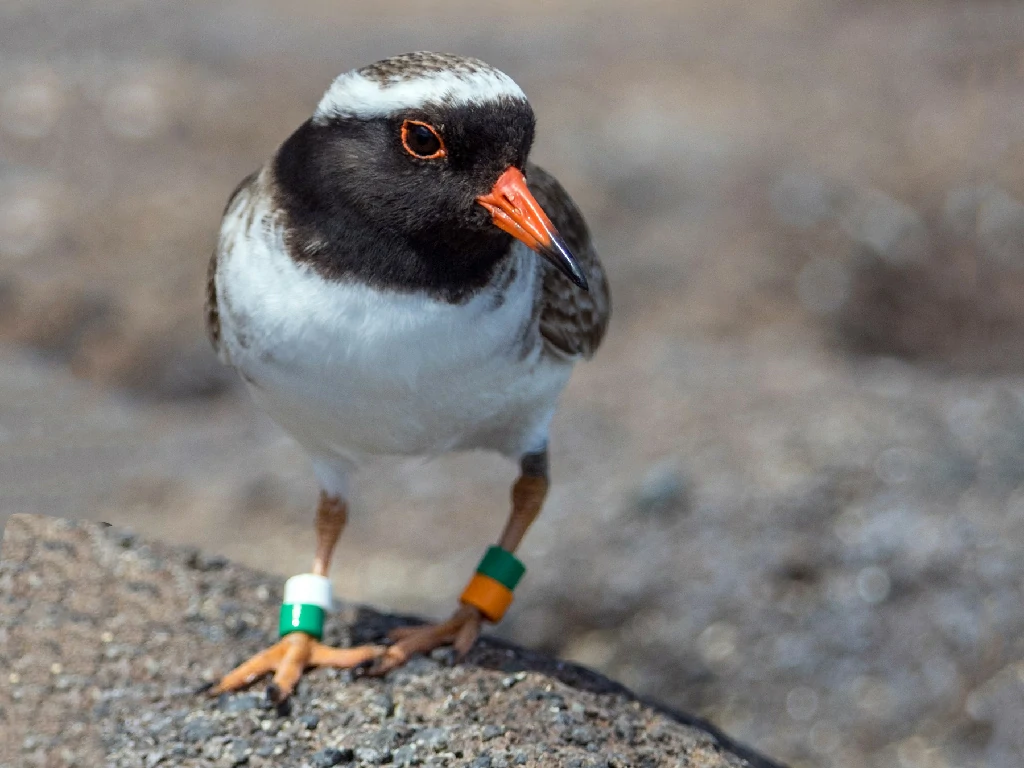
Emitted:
<point x="489" y="596"/>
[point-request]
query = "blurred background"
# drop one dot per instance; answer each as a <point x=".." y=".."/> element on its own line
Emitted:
<point x="789" y="492"/>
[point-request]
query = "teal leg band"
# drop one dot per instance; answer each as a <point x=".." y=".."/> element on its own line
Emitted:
<point x="302" y="618"/>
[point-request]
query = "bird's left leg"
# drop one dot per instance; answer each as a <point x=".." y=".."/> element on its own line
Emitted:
<point x="489" y="592"/>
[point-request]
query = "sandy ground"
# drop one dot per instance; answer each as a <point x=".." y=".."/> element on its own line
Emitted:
<point x="788" y="489"/>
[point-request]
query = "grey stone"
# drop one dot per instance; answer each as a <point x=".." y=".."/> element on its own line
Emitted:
<point x="372" y="755"/>
<point x="381" y="706"/>
<point x="385" y="739"/>
<point x="200" y="729"/>
<point x="491" y="732"/>
<point x="406" y="755"/>
<point x="237" y="752"/>
<point x="232" y="703"/>
<point x="582" y="735"/>
<point x="433" y="738"/>
<point x="332" y="756"/>
<point x="267" y="749"/>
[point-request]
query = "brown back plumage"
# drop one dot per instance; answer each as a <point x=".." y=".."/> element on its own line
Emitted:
<point x="211" y="311"/>
<point x="572" y="321"/>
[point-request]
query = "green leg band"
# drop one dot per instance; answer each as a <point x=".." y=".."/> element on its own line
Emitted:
<point x="302" y="618"/>
<point x="502" y="566"/>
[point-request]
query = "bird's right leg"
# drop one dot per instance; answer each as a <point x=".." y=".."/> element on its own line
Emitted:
<point x="307" y="597"/>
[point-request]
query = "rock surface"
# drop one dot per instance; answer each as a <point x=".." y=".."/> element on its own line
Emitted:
<point x="104" y="640"/>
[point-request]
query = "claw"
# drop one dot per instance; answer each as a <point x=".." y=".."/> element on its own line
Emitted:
<point x="273" y="694"/>
<point x="466" y="638"/>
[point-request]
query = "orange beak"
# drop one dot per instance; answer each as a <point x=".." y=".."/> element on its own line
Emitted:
<point x="514" y="209"/>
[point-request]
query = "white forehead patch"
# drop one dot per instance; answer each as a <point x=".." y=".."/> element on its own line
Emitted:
<point x="357" y="95"/>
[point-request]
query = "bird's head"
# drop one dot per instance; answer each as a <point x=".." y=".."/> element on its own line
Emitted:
<point x="430" y="148"/>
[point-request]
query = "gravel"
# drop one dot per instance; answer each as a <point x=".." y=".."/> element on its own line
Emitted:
<point x="98" y="671"/>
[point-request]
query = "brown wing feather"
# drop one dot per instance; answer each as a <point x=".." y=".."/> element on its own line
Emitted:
<point x="212" y="314"/>
<point x="572" y="321"/>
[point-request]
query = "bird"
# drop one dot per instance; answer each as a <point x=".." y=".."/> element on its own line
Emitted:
<point x="400" y="280"/>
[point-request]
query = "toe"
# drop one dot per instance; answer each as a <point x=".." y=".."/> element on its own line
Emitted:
<point x="444" y="629"/>
<point x="344" y="658"/>
<point x="466" y="637"/>
<point x="259" y="665"/>
<point x="298" y="648"/>
<point x="393" y="657"/>
<point x="288" y="659"/>
<point x="461" y="630"/>
<point x="423" y="641"/>
<point x="400" y="633"/>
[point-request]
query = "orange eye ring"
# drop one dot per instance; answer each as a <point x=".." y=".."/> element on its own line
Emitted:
<point x="420" y="145"/>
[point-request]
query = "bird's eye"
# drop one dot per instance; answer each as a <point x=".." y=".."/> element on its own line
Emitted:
<point x="422" y="140"/>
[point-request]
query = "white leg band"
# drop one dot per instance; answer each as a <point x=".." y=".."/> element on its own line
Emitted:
<point x="308" y="589"/>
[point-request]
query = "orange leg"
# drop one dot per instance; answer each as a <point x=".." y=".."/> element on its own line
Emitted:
<point x="296" y="651"/>
<point x="463" y="628"/>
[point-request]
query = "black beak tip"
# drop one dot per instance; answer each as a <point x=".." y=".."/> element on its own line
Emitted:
<point x="581" y="280"/>
<point x="560" y="255"/>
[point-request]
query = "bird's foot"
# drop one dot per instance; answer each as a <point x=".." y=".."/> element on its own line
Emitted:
<point x="460" y="631"/>
<point x="288" y="659"/>
<point x="297" y="651"/>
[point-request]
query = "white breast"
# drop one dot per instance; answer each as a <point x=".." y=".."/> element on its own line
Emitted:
<point x="353" y="371"/>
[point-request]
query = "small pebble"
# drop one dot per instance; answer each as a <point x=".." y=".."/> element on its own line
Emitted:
<point x="492" y="732"/>
<point x="405" y="755"/>
<point x="382" y="706"/>
<point x="237" y="752"/>
<point x="329" y="757"/>
<point x="372" y="755"/>
<point x="434" y="738"/>
<point x="582" y="735"/>
<point x="199" y="730"/>
<point x="211" y="562"/>
<point x="511" y="680"/>
<point x="233" y="704"/>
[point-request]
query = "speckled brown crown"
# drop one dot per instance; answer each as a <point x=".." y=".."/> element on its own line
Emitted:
<point x="409" y="66"/>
